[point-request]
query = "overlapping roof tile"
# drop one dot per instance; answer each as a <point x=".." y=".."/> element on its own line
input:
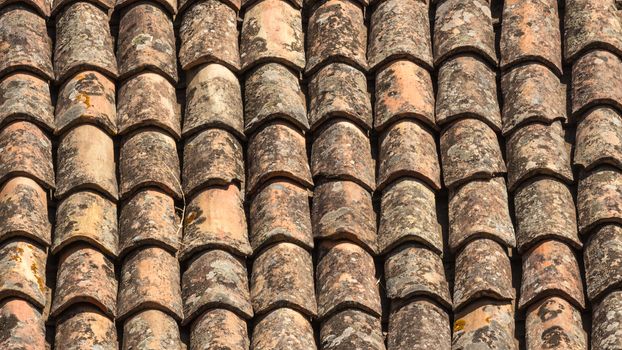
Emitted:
<point x="25" y="96"/>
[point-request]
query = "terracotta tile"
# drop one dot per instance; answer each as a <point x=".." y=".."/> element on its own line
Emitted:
<point x="213" y="99"/>
<point x="85" y="328"/>
<point x="87" y="98"/>
<point x="413" y="270"/>
<point x="278" y="150"/>
<point x="42" y="7"/>
<point x="470" y="150"/>
<point x="83" y="41"/>
<point x="146" y="42"/>
<point x="219" y="329"/>
<point x="234" y="4"/>
<point x="342" y="151"/>
<point x="532" y="93"/>
<point x="551" y="269"/>
<point x="485" y="324"/>
<point x="603" y="261"/>
<point x="280" y="212"/>
<point x="272" y="92"/>
<point x="59" y="5"/>
<point x="86" y="217"/>
<point x="282" y="276"/>
<point x="150" y="280"/>
<point x="23" y="326"/>
<point x="599" y="139"/>
<point x="346" y="278"/>
<point x="482" y="271"/>
<point x="212" y="157"/>
<point x="283" y="329"/>
<point x="403" y="90"/>
<point x="24" y="211"/>
<point x="336" y="33"/>
<point x="23" y="271"/>
<point x="351" y="329"/>
<point x="407" y="148"/>
<point x="606" y="314"/>
<point x="599" y="195"/>
<point x="344" y="210"/>
<point x="26" y="44"/>
<point x="151" y="330"/>
<point x="248" y="3"/>
<point x="216" y="279"/>
<point x="530" y="32"/>
<point x="311" y="4"/>
<point x="400" y="29"/>
<point x="26" y="151"/>
<point x="24" y="96"/>
<point x="595" y="81"/>
<point x="591" y="24"/>
<point x="467" y="87"/>
<point x="554" y="323"/>
<point x="464" y="26"/>
<point x="149" y="218"/>
<point x="408" y="214"/>
<point x="85" y="160"/>
<point x="85" y="276"/>
<point x="149" y="158"/>
<point x="209" y="34"/>
<point x="538" y="149"/>
<point x="419" y="325"/>
<point x="339" y="90"/>
<point x="215" y="218"/>
<point x="272" y="32"/>
<point x="169" y="5"/>
<point x="148" y="99"/>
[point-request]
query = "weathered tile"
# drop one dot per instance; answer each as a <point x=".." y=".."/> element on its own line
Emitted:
<point x="464" y="26"/>
<point x="169" y="5"/>
<point x="280" y="212"/>
<point x="209" y="34"/>
<point x="467" y="87"/>
<point x="400" y="29"/>
<point x="482" y="271"/>
<point x="219" y="329"/>
<point x="151" y="330"/>
<point x="86" y="217"/>
<point x="530" y="32"/>
<point x="595" y="81"/>
<point x="346" y="278"/>
<point x="278" y="150"/>
<point x="85" y="276"/>
<point x="216" y="279"/>
<point x="146" y="42"/>
<point x="532" y="93"/>
<point x="234" y="4"/>
<point x="150" y="280"/>
<point x="403" y="90"/>
<point x="551" y="269"/>
<point x="538" y="149"/>
<point x="248" y="3"/>
<point x="283" y="329"/>
<point x="272" y="32"/>
<point x="342" y="151"/>
<point x="212" y="157"/>
<point x="606" y="317"/>
<point x="83" y="41"/>
<point x="85" y="160"/>
<point x="24" y="211"/>
<point x="215" y="219"/>
<point x="351" y="329"/>
<point x="23" y="326"/>
<point x="26" y="44"/>
<point x="599" y="139"/>
<point x="419" y="325"/>
<point x="406" y="148"/>
<point x="149" y="218"/>
<point x="149" y="158"/>
<point x="336" y="33"/>
<point x="42" y="7"/>
<point x="87" y="97"/>
<point x="599" y="198"/>
<point x="485" y="325"/>
<point x="59" y="5"/>
<point x="148" y="99"/>
<point x="339" y="90"/>
<point x="23" y="271"/>
<point x="26" y="151"/>
<point x="603" y="261"/>
<point x="272" y="92"/>
<point x="84" y="327"/>
<point x="282" y="276"/>
<point x="24" y="96"/>
<point x="553" y="323"/>
<point x="470" y="150"/>
<point x="213" y="99"/>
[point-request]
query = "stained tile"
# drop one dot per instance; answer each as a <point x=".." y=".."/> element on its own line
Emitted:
<point x="418" y="325"/>
<point x="151" y="330"/>
<point x="486" y="324"/>
<point x="599" y="139"/>
<point x="23" y="326"/>
<point x="219" y="328"/>
<point x="607" y="313"/>
<point x="599" y="195"/>
<point x="169" y="5"/>
<point x="59" y="5"/>
<point x="87" y="327"/>
<point x="554" y="323"/>
<point x="602" y="258"/>
<point x="24" y="211"/>
<point x="42" y="7"/>
<point x="351" y="329"/>
<point x="283" y="329"/>
<point x="23" y="271"/>
<point x="24" y="96"/>
<point x="248" y="3"/>
<point x="595" y="81"/>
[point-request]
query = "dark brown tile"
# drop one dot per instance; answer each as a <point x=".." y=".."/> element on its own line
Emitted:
<point x="283" y="329"/>
<point x="151" y="330"/>
<point x="419" y="325"/>
<point x="603" y="261"/>
<point x="23" y="272"/>
<point x="606" y="314"/>
<point x="599" y="139"/>
<point x="595" y="81"/>
<point x="486" y="324"/>
<point x="87" y="327"/>
<point x="351" y="329"/>
<point x="553" y="323"/>
<point x="23" y="326"/>
<point x="599" y="198"/>
<point x="219" y="329"/>
<point x="24" y="211"/>
<point x="25" y="96"/>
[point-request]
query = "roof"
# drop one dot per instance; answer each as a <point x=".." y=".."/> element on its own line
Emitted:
<point x="317" y="174"/>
